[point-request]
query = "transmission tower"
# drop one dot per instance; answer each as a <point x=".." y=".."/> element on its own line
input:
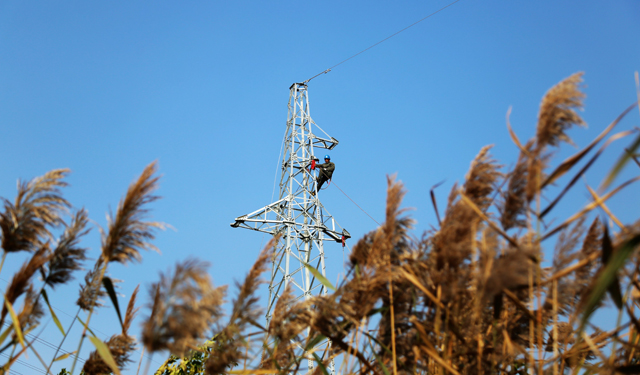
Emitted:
<point x="298" y="216"/>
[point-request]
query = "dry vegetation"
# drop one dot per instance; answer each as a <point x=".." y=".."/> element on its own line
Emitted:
<point x="473" y="296"/>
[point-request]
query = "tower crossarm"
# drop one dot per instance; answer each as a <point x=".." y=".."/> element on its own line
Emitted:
<point x="326" y="142"/>
<point x="258" y="220"/>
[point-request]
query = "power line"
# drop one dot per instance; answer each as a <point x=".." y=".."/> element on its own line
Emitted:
<point x="383" y="40"/>
<point x="54" y="346"/>
<point x="46" y="343"/>
<point x="25" y="364"/>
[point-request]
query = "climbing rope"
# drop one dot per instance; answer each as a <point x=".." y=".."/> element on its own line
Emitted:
<point x="345" y="194"/>
<point x="329" y="181"/>
<point x="275" y="178"/>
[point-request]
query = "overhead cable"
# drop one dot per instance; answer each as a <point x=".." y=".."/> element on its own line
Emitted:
<point x="385" y="39"/>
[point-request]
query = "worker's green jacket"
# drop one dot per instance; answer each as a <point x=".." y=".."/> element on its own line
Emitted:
<point x="326" y="169"/>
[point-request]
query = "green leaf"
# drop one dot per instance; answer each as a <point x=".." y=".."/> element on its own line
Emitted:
<point x="105" y="354"/>
<point x="323" y="368"/>
<point x="607" y="277"/>
<point x="319" y="276"/>
<point x="382" y="366"/>
<point x="607" y="247"/>
<point x="16" y="322"/>
<point x="53" y="315"/>
<point x="316" y="340"/>
<point x="607" y="252"/>
<point x="86" y="326"/>
<point x="64" y="356"/>
<point x="375" y="340"/>
<point x="624" y="159"/>
<point x="6" y="333"/>
<point x="108" y="285"/>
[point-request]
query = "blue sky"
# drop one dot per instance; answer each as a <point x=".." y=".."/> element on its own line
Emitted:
<point x="104" y="88"/>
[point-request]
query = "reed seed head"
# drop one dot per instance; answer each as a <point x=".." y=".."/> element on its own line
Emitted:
<point x="38" y="205"/>
<point x="558" y="112"/>
<point x="185" y="306"/>
<point x="91" y="292"/>
<point x="128" y="233"/>
<point x="21" y="281"/>
<point x="68" y="255"/>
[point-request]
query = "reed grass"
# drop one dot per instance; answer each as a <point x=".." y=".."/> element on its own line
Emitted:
<point x="474" y="295"/>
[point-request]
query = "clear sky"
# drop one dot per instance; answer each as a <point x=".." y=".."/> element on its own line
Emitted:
<point x="104" y="88"/>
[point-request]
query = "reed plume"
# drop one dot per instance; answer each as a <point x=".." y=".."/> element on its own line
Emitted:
<point x="91" y="292"/>
<point x="557" y="114"/>
<point x="387" y="242"/>
<point x="395" y="330"/>
<point x="68" y="255"/>
<point x="245" y="311"/>
<point x="513" y="208"/>
<point x="128" y="233"/>
<point x="21" y="281"/>
<point x="283" y="315"/>
<point x="184" y="306"/>
<point x="30" y="314"/>
<point x="510" y="272"/>
<point x="481" y="178"/>
<point x="121" y="346"/>
<point x="38" y="205"/>
<point x="564" y="256"/>
<point x="245" y="308"/>
<point x="453" y="242"/>
<point x="288" y="320"/>
<point x="131" y="312"/>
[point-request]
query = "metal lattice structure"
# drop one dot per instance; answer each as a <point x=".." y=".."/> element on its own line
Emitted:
<point x="298" y="216"/>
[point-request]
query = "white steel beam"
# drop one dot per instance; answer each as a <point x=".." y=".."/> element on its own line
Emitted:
<point x="297" y="215"/>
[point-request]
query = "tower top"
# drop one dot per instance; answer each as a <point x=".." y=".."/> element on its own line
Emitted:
<point x="298" y="84"/>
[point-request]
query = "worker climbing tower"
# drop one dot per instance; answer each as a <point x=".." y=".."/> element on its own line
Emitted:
<point x="298" y="216"/>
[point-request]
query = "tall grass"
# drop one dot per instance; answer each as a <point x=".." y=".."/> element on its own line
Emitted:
<point x="473" y="296"/>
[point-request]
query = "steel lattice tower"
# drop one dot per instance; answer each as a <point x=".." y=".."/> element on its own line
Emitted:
<point x="297" y="215"/>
